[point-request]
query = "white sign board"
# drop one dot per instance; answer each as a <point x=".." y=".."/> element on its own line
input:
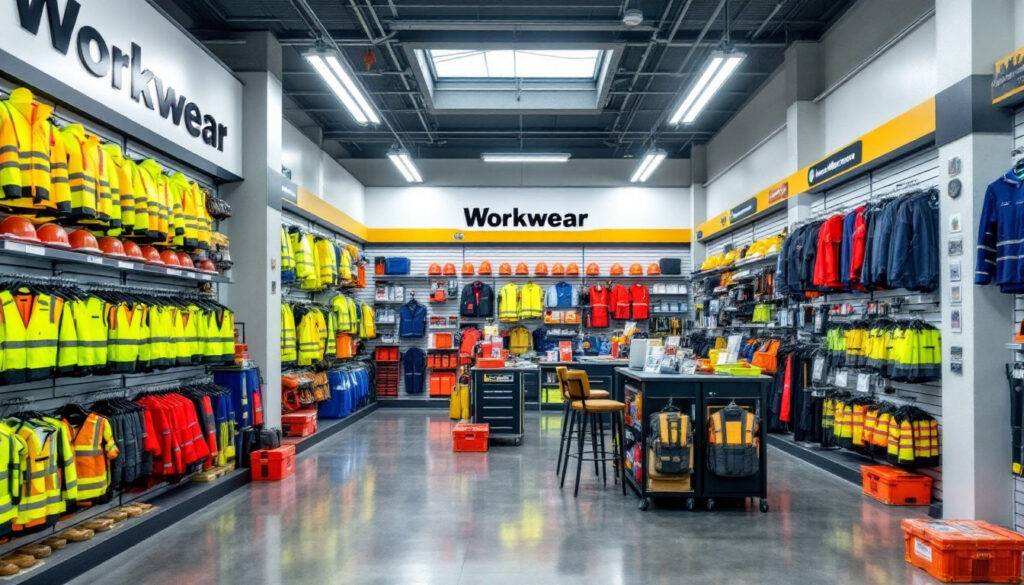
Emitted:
<point x="126" y="58"/>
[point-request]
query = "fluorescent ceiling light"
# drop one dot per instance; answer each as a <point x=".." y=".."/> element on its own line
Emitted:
<point x="512" y="63"/>
<point x="716" y="72"/>
<point x="646" y="167"/>
<point x="526" y="157"/>
<point x="403" y="162"/>
<point x="340" y="81"/>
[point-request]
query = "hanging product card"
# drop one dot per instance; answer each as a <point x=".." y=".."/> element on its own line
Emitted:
<point x="841" y="380"/>
<point x="955" y="296"/>
<point x="864" y="383"/>
<point x="954" y="271"/>
<point x="565" y="350"/>
<point x="818" y="374"/>
<point x="956" y="246"/>
<point x="956" y="359"/>
<point x="954" y="320"/>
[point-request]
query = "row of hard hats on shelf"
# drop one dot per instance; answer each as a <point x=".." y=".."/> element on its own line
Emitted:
<point x="541" y="269"/>
<point x="14" y="227"/>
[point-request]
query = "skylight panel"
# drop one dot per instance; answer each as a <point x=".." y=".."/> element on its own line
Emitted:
<point x="508" y="64"/>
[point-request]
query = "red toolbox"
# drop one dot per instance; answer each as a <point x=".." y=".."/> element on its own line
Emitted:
<point x="470" y="437"/>
<point x="272" y="464"/>
<point x="963" y="551"/>
<point x="299" y="424"/>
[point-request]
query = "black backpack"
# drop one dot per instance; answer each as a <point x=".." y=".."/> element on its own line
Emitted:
<point x="671" y="438"/>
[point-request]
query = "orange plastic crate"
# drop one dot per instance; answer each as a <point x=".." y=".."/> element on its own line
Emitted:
<point x="896" y="487"/>
<point x="469" y="437"/>
<point x="299" y="424"/>
<point x="963" y="551"/>
<point x="272" y="464"/>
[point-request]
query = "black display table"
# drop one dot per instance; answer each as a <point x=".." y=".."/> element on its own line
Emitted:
<point x="699" y="396"/>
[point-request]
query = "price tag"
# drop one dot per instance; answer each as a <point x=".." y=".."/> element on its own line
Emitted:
<point x="723" y="358"/>
<point x="190" y="274"/>
<point x="94" y="260"/>
<point x="841" y="378"/>
<point x="173" y="272"/>
<point x="864" y="383"/>
<point x="35" y="250"/>
<point x="125" y="265"/>
<point x="819" y="369"/>
<point x="205" y="277"/>
<point x="14" y="246"/>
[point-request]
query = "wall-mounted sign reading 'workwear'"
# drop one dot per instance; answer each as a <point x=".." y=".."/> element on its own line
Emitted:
<point x="125" y="64"/>
<point x="743" y="210"/>
<point x="1008" y="81"/>
<point x="836" y="163"/>
<point x="484" y="217"/>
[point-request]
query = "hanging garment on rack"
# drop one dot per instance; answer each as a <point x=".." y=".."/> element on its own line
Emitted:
<point x="33" y="158"/>
<point x="640" y="302"/>
<point x="412" y="320"/>
<point x="476" y="300"/>
<point x="827" y="270"/>
<point x="287" y="258"/>
<point x="1000" y="251"/>
<point x="599" y="298"/>
<point x="508" y="303"/>
<point x="520" y="340"/>
<point x="93" y="441"/>
<point x="620" y="302"/>
<point x="367" y="322"/>
<point x="289" y="347"/>
<point x="531" y="301"/>
<point x="31" y="324"/>
<point x="562" y="296"/>
<point x="414" y="367"/>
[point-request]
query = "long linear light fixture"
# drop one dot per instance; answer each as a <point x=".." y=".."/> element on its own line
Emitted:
<point x="716" y="72"/>
<point x="403" y="162"/>
<point x="526" y="157"/>
<point x="338" y="78"/>
<point x="652" y="159"/>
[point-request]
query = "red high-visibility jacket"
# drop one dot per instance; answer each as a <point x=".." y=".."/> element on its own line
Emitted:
<point x="599" y="297"/>
<point x="641" y="301"/>
<point x="620" y="302"/>
<point x="826" y="264"/>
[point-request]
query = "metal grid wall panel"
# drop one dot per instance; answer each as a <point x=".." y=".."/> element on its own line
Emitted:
<point x="1018" y="316"/>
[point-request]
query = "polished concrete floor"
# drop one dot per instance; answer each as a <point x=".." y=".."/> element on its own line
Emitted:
<point x="387" y="502"/>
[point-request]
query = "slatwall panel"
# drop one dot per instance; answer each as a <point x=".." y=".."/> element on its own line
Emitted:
<point x="748" y="234"/>
<point x="917" y="171"/>
<point x="422" y="256"/>
<point x="51" y="394"/>
<point x="1018" y="316"/>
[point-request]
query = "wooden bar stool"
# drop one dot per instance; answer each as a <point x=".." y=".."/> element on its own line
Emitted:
<point x="586" y="410"/>
<point x="560" y="372"/>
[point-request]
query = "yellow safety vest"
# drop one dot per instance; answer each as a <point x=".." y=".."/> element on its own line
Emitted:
<point x="531" y="301"/>
<point x="312" y="280"/>
<point x="49" y="471"/>
<point x="508" y="303"/>
<point x="519" y="341"/>
<point x="30" y="350"/>
<point x="288" y="349"/>
<point x="367" y="325"/>
<point x="186" y="233"/>
<point x="126" y="337"/>
<point x="287" y="257"/>
<point x="12" y="453"/>
<point x="220" y="347"/>
<point x="302" y="249"/>
<point x="311" y="336"/>
<point x="157" y="199"/>
<point x="327" y="262"/>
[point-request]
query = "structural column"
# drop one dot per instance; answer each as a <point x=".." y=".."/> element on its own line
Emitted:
<point x="970" y="36"/>
<point x="255" y="202"/>
<point x="698" y="199"/>
<point x="804" y="132"/>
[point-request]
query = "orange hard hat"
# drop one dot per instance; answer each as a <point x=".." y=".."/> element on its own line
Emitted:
<point x="132" y="250"/>
<point x="505" y="269"/>
<point x="593" y="269"/>
<point x="616" y="270"/>
<point x="18" y="228"/>
<point x="541" y="269"/>
<point x="112" y="246"/>
<point x="434" y="270"/>
<point x="485" y="268"/>
<point x="207" y="266"/>
<point x="467" y="269"/>
<point x="636" y="269"/>
<point x="449" y="269"/>
<point x="52" y="234"/>
<point x="557" y="269"/>
<point x="186" y="261"/>
<point x="653" y="269"/>
<point x="572" y="269"/>
<point x="84" y="241"/>
<point x="169" y="258"/>
<point x="522" y="269"/>
<point x="151" y="255"/>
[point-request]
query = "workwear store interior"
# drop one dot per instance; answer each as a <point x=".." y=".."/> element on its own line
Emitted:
<point x="390" y="292"/>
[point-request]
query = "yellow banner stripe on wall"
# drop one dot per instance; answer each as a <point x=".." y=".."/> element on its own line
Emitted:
<point x="907" y="128"/>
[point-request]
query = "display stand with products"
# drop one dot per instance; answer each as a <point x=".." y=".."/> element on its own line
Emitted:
<point x="702" y="398"/>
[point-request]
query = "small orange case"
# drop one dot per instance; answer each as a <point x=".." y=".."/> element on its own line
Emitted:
<point x="896" y="487"/>
<point x="963" y="551"/>
<point x="469" y="437"/>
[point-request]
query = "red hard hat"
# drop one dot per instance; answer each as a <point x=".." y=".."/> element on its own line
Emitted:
<point x="636" y="269"/>
<point x="84" y="241"/>
<point x="112" y="246"/>
<point x="207" y="266"/>
<point x="449" y="269"/>
<point x="616" y="269"/>
<point x="593" y="269"/>
<point x="18" y="228"/>
<point x="434" y="269"/>
<point x="485" y="268"/>
<point x="169" y="258"/>
<point x="523" y="269"/>
<point x="653" y="269"/>
<point x="186" y="261"/>
<point x="557" y="269"/>
<point x="505" y="269"/>
<point x="572" y="269"/>
<point x="132" y="250"/>
<point x="467" y="269"/>
<point x="151" y="255"/>
<point x="52" y="234"/>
